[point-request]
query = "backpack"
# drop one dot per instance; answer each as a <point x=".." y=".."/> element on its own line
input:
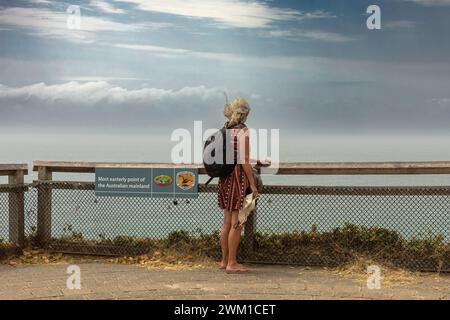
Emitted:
<point x="215" y="155"/>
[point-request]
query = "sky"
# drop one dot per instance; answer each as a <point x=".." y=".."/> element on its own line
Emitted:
<point x="306" y="67"/>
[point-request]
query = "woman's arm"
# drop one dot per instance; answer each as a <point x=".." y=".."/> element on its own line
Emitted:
<point x="244" y="140"/>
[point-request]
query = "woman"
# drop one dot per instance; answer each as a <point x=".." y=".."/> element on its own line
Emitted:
<point x="234" y="187"/>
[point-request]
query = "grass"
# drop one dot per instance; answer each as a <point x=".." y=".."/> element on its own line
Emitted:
<point x="391" y="276"/>
<point x="340" y="247"/>
<point x="8" y="249"/>
<point x="343" y="245"/>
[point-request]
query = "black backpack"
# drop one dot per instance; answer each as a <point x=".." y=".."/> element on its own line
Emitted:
<point x="216" y="164"/>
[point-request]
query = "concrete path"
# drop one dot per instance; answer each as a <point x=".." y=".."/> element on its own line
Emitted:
<point x="118" y="281"/>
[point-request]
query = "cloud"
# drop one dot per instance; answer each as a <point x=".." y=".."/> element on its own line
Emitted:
<point x="230" y="13"/>
<point x="301" y="35"/>
<point x="99" y="78"/>
<point x="442" y="102"/>
<point x="53" y="24"/>
<point x="315" y="106"/>
<point x="407" y="24"/>
<point x="103" y="104"/>
<point x="430" y="2"/>
<point x="175" y="53"/>
<point x="319" y="14"/>
<point x="40" y="1"/>
<point x="106" y="7"/>
<point x="91" y="93"/>
<point x="278" y="62"/>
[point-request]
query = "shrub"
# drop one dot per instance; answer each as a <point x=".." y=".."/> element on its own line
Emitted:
<point x="328" y="248"/>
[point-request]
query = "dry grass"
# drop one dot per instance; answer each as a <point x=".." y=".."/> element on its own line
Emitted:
<point x="169" y="259"/>
<point x="391" y="276"/>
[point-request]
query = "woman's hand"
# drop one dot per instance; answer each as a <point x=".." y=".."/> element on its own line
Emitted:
<point x="255" y="192"/>
<point x="264" y="163"/>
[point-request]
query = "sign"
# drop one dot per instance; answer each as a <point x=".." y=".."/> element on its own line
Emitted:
<point x="139" y="182"/>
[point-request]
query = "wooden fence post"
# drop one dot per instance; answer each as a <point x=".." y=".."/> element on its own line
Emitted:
<point x="44" y="220"/>
<point x="16" y="202"/>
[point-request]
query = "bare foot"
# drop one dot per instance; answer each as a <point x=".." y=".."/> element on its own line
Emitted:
<point x="237" y="268"/>
<point x="223" y="264"/>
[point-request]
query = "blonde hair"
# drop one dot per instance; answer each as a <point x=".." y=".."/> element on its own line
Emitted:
<point x="237" y="111"/>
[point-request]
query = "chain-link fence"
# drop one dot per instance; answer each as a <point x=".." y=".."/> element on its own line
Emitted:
<point x="328" y="226"/>
<point x="12" y="206"/>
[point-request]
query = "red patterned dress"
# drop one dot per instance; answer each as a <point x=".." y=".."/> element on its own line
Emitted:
<point x="232" y="188"/>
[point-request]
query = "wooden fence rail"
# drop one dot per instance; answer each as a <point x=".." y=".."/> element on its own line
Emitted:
<point x="292" y="168"/>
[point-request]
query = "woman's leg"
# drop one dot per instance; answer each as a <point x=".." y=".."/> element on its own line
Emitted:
<point x="224" y="232"/>
<point x="233" y="243"/>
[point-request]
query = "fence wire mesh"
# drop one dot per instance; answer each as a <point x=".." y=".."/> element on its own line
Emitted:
<point x="327" y="226"/>
<point x="12" y="206"/>
<point x="4" y="216"/>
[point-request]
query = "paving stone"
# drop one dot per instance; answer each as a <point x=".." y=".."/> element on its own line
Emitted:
<point x="111" y="281"/>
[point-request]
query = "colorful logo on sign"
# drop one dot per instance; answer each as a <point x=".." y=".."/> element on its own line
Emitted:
<point x="163" y="180"/>
<point x="185" y="180"/>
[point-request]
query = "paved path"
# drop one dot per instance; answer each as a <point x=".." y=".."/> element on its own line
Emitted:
<point x="115" y="281"/>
